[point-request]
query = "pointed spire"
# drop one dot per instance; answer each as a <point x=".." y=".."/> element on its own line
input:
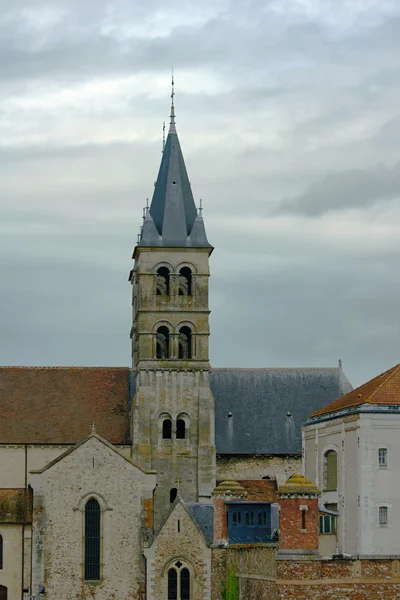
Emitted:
<point x="172" y="128"/>
<point x="173" y="213"/>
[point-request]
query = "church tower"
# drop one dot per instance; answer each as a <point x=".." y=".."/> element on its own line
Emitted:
<point x="173" y="407"/>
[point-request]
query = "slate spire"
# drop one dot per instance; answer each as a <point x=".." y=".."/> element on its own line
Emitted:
<point x="173" y="211"/>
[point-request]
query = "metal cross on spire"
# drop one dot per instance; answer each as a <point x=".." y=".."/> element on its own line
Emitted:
<point x="172" y="121"/>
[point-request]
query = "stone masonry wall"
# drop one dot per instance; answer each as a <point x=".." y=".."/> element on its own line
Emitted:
<point x="178" y="544"/>
<point x="263" y="576"/>
<point x="338" y="580"/>
<point x="92" y="469"/>
<point x="257" y="467"/>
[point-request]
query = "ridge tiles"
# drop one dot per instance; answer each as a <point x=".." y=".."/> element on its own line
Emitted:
<point x="383" y="389"/>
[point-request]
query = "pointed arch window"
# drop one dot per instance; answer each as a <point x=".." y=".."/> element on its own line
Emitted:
<point x="92" y="540"/>
<point x="185" y="282"/>
<point x="162" y="279"/>
<point x="1" y="551"/>
<point x="185" y="342"/>
<point x="172" y="584"/>
<point x="173" y="494"/>
<point x="185" y="584"/>
<point x="162" y="342"/>
<point x="3" y="592"/>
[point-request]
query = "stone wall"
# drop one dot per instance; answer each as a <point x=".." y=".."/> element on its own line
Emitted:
<point x="257" y="466"/>
<point x="179" y="544"/>
<point x="254" y="567"/>
<point x="92" y="469"/>
<point x="338" y="580"/>
<point x="262" y="575"/>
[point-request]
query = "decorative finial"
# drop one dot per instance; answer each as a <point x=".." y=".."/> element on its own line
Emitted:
<point x="201" y="207"/>
<point x="172" y="121"/>
<point x="93" y="428"/>
<point x="144" y="213"/>
<point x="163" y="136"/>
<point x="138" y="238"/>
<point x="147" y="204"/>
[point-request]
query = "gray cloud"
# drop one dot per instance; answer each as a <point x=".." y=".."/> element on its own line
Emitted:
<point x="347" y="190"/>
<point x="286" y="110"/>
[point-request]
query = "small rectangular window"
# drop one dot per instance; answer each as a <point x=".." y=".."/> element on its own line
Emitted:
<point x="239" y="518"/>
<point x="264" y="518"/>
<point x="383" y="516"/>
<point x="303" y="519"/>
<point x="382" y="457"/>
<point x="327" y="524"/>
<point x="247" y="520"/>
<point x="251" y="519"/>
<point x="259" y="516"/>
<point x="234" y="519"/>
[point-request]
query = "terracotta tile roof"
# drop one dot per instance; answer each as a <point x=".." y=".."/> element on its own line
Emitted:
<point x="16" y="505"/>
<point x="56" y="405"/>
<point x="258" y="490"/>
<point x="383" y="389"/>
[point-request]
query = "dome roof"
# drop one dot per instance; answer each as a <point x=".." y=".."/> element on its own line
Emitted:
<point x="229" y="488"/>
<point x="298" y="484"/>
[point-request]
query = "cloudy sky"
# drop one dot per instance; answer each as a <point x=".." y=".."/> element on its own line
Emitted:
<point x="288" y="113"/>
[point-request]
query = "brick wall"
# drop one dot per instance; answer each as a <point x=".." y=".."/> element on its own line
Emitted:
<point x="292" y="535"/>
<point x="262" y="575"/>
<point x="338" y="580"/>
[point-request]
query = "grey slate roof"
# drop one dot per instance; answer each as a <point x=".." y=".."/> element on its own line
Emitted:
<point x="173" y="214"/>
<point x="269" y="406"/>
<point x="203" y="515"/>
<point x="260" y="400"/>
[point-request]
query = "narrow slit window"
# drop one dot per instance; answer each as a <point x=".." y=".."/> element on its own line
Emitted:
<point x="303" y="519"/>
<point x="92" y="540"/>
<point x="1" y="551"/>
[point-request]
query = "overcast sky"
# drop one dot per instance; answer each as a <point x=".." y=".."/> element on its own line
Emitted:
<point x="288" y="114"/>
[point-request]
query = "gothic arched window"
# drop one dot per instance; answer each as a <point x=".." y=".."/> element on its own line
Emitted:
<point x="185" y="282"/>
<point x="185" y="342"/>
<point x="92" y="540"/>
<point x="162" y="342"/>
<point x="167" y="429"/>
<point x="185" y="584"/>
<point x="162" y="288"/>
<point x="180" y="429"/>
<point x="172" y="584"/>
<point x="1" y="551"/>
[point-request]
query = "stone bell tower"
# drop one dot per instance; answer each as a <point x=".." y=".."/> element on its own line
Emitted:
<point x="173" y="408"/>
